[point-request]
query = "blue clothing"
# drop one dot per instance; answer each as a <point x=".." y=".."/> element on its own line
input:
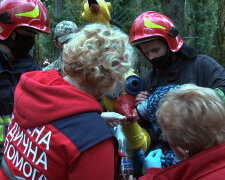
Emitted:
<point x="147" y="110"/>
<point x="10" y="73"/>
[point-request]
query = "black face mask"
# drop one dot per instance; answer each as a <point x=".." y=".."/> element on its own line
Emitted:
<point x="8" y="42"/>
<point x="22" y="45"/>
<point x="163" y="61"/>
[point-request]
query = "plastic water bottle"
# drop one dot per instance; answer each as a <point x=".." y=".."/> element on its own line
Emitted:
<point x="126" y="166"/>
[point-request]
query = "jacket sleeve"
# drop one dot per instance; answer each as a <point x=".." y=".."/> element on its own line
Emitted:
<point x="142" y="109"/>
<point x="95" y="163"/>
<point x="210" y="73"/>
<point x="147" y="81"/>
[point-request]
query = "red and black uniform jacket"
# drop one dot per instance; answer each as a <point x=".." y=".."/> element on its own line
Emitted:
<point x="57" y="133"/>
<point x="206" y="165"/>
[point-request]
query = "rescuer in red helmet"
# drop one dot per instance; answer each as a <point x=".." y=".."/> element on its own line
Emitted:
<point x="173" y="61"/>
<point x="20" y="21"/>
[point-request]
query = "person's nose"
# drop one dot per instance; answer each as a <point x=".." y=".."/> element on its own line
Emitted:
<point x="150" y="55"/>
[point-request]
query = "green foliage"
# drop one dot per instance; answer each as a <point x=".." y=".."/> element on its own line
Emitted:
<point x="123" y="15"/>
<point x="125" y="11"/>
<point x="204" y="24"/>
<point x="219" y="38"/>
<point x="201" y="24"/>
<point x="71" y="10"/>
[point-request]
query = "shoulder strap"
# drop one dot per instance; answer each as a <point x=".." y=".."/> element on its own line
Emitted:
<point x="84" y="130"/>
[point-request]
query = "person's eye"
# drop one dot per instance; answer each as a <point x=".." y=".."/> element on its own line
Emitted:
<point x="155" y="50"/>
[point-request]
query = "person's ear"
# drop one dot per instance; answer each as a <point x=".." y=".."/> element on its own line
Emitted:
<point x="181" y="153"/>
<point x="13" y="35"/>
<point x="57" y="44"/>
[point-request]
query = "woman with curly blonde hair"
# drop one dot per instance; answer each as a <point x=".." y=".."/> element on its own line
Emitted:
<point x="59" y="117"/>
<point x="99" y="59"/>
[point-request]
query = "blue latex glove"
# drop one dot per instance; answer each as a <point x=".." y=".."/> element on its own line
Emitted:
<point x="153" y="159"/>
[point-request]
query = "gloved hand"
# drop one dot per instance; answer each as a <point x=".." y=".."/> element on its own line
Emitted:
<point x="113" y="118"/>
<point x="153" y="160"/>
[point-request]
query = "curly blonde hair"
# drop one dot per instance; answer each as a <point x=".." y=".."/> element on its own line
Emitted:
<point x="98" y="56"/>
<point x="192" y="118"/>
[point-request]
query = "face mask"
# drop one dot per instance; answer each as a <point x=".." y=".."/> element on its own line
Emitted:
<point x="8" y="42"/>
<point x="163" y="61"/>
<point x="22" y="45"/>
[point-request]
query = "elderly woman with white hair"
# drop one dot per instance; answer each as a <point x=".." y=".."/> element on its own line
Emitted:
<point x="192" y="121"/>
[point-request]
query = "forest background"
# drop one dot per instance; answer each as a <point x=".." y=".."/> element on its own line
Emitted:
<point x="201" y="24"/>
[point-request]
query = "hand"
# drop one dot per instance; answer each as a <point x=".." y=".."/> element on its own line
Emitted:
<point x="143" y="95"/>
<point x="153" y="159"/>
<point x="134" y="119"/>
<point x="135" y="115"/>
<point x="132" y="178"/>
<point x="113" y="118"/>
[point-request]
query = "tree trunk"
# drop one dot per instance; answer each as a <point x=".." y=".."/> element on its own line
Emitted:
<point x="58" y="6"/>
<point x="174" y="9"/>
<point x="220" y="34"/>
<point x="58" y="9"/>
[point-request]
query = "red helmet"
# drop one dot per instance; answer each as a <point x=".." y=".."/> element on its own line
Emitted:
<point x="27" y="13"/>
<point x="153" y="24"/>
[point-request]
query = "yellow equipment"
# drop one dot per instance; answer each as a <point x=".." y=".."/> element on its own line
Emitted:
<point x="4" y="122"/>
<point x="124" y="104"/>
<point x="97" y="11"/>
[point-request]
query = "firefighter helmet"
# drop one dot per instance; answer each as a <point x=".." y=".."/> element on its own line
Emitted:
<point x="151" y="25"/>
<point x="31" y="14"/>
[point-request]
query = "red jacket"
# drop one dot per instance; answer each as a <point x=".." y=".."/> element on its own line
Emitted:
<point x="57" y="133"/>
<point x="206" y="165"/>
